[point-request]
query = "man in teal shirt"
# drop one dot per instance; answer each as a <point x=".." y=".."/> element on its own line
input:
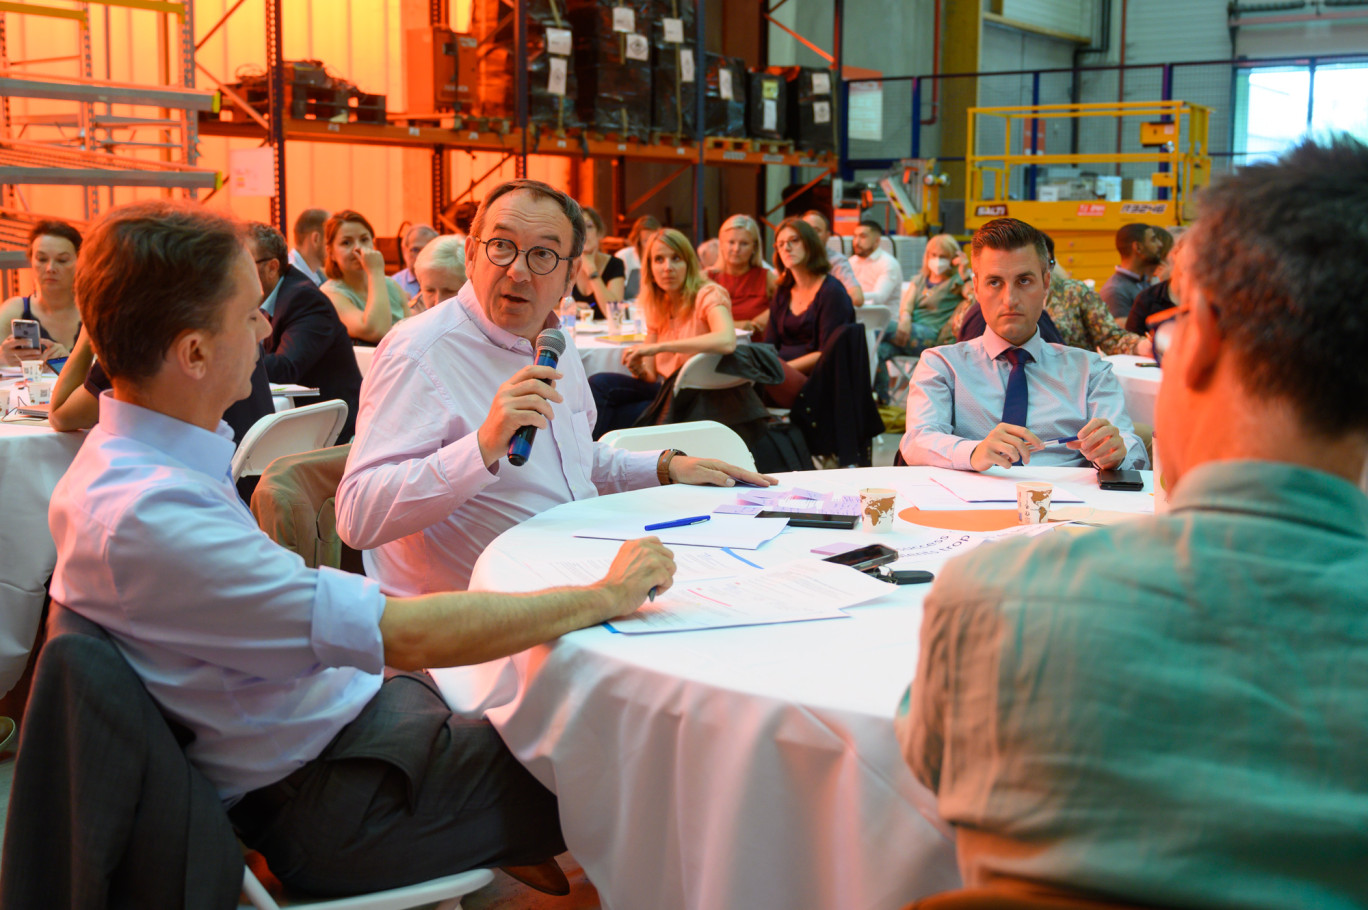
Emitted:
<point x="1173" y="711"/>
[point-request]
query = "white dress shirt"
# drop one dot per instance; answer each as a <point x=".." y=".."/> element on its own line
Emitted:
<point x="842" y="272"/>
<point x="958" y="392"/>
<point x="298" y="261"/>
<point x="265" y="660"/>
<point x="417" y="496"/>
<point x="880" y="277"/>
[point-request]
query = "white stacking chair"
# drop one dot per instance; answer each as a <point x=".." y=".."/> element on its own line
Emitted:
<point x="444" y="893"/>
<point x="700" y="438"/>
<point x="364" y="355"/>
<point x="303" y="429"/>
<point x="700" y="372"/>
<point x="875" y="319"/>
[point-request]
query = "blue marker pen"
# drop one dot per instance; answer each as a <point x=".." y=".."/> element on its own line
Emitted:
<point x="678" y="523"/>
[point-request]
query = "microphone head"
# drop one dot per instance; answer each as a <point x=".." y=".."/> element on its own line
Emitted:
<point x="551" y="340"/>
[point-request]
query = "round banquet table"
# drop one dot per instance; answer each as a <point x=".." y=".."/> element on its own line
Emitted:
<point x="33" y="457"/>
<point x="1140" y="385"/>
<point x="750" y="767"/>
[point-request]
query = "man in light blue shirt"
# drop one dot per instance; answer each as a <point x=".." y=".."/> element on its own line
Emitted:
<point x="411" y="244"/>
<point x="346" y="775"/>
<point x="1171" y="712"/>
<point x="996" y="399"/>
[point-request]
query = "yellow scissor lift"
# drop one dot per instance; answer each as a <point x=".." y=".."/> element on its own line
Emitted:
<point x="1175" y="134"/>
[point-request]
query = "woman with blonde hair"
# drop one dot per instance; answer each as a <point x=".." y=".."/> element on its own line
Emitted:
<point x="686" y="314"/>
<point x="741" y="270"/>
<point x="927" y="305"/>
<point x="367" y="302"/>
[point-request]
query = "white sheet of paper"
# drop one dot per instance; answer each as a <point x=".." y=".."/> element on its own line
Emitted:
<point x="724" y="84"/>
<point x="936" y="546"/>
<point x="558" y="41"/>
<point x="555" y="83"/>
<point x="821" y="112"/>
<point x="931" y="497"/>
<point x="994" y="485"/>
<point x="769" y="118"/>
<point x="624" y="19"/>
<point x="739" y="532"/>
<point x="686" y="66"/>
<point x="674" y="30"/>
<point x="798" y="591"/>
<point x="692" y="564"/>
<point x="821" y="83"/>
<point x="638" y="47"/>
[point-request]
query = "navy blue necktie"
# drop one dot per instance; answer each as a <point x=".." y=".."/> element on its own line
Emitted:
<point x="1014" y="404"/>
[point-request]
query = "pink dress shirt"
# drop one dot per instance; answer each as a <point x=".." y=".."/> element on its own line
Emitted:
<point x="417" y="496"/>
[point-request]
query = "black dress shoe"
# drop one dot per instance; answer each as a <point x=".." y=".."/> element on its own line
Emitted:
<point x="545" y="877"/>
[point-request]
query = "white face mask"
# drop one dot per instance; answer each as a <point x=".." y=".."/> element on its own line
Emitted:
<point x="939" y="265"/>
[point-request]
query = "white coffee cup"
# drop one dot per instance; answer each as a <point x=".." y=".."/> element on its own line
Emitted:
<point x="1033" y="502"/>
<point x="876" y="509"/>
<point x="40" y="392"/>
<point x="33" y="371"/>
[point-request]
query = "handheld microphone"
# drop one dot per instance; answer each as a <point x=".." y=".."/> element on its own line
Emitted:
<point x="550" y="345"/>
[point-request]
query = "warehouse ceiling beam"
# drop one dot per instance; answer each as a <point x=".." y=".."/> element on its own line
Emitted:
<point x="156" y="6"/>
<point x="51" y="12"/>
<point x="234" y="97"/>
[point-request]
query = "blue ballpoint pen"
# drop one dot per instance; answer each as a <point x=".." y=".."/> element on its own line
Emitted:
<point x="1063" y="440"/>
<point x="679" y="523"/>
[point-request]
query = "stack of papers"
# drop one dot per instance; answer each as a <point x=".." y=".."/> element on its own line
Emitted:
<point x="753" y="502"/>
<point x="993" y="486"/>
<point x="802" y="590"/>
<point x="734" y="531"/>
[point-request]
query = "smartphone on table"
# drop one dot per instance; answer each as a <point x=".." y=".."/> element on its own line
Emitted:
<point x="1120" y="480"/>
<point x="866" y="558"/>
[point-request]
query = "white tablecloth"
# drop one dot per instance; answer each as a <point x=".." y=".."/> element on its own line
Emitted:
<point x="1140" y="384"/>
<point x="599" y="356"/>
<point x="33" y="458"/>
<point x="749" y="767"/>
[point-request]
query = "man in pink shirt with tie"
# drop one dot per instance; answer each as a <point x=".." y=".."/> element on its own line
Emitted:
<point x="428" y="485"/>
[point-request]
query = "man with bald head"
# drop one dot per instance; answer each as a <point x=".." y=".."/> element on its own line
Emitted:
<point x="840" y="265"/>
<point x="428" y="485"/>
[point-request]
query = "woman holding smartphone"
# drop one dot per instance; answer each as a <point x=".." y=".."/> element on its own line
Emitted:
<point x="53" y="246"/>
<point x="686" y="314"/>
<point x="367" y="302"/>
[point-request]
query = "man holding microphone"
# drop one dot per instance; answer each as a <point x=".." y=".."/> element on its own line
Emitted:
<point x="428" y="484"/>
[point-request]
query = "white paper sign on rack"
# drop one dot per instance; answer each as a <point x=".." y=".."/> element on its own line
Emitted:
<point x="821" y="112"/>
<point x="821" y="83"/>
<point x="251" y="172"/>
<point x="686" y="66"/>
<point x="724" y="84"/>
<point x="558" y="41"/>
<point x="674" y="30"/>
<point x="556" y="83"/>
<point x="624" y="19"/>
<point x="638" y="47"/>
<point x="769" y="114"/>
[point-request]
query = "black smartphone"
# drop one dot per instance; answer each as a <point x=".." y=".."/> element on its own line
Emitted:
<point x="27" y="331"/>
<point x="866" y="558"/>
<point x="1120" y="480"/>
<point x="909" y="576"/>
<point x="813" y="519"/>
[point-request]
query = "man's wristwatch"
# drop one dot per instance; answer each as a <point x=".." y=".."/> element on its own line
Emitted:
<point x="663" y="466"/>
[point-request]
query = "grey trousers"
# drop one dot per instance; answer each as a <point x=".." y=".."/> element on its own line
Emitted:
<point x="405" y="793"/>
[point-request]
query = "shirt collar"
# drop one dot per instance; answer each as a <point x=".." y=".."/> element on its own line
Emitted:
<point x="1276" y="489"/>
<point x="195" y="447"/>
<point x="994" y="344"/>
<point x="1129" y="274"/>
<point x="497" y="334"/>
<point x="269" y="303"/>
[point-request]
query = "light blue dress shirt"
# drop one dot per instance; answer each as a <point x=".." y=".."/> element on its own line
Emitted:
<point x="958" y="391"/>
<point x="408" y="281"/>
<point x="265" y="660"/>
<point x="268" y="305"/>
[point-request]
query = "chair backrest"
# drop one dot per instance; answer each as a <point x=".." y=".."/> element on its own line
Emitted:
<point x="314" y="426"/>
<point x="364" y="355"/>
<point x="295" y="505"/>
<point x="443" y="893"/>
<point x="700" y="372"/>
<point x="875" y="319"/>
<point x="700" y="438"/>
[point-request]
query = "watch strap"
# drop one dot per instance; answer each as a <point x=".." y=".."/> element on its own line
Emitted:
<point x="663" y="466"/>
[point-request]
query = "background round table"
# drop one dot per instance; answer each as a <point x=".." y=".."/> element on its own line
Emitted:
<point x="600" y="356"/>
<point x="33" y="457"/>
<point x="750" y="767"/>
<point x="1139" y="383"/>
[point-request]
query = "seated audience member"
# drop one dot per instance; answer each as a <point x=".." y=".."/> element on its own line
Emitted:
<point x="410" y="245"/>
<point x="599" y="278"/>
<point x="926" y="305"/>
<point x="840" y="265"/>
<point x="367" y="302"/>
<point x="809" y="306"/>
<point x="685" y="315"/>
<point x="428" y="485"/>
<point x="1041" y="390"/>
<point x="1167" y="712"/>
<point x="52" y="250"/>
<point x="876" y="270"/>
<point x="1075" y="315"/>
<point x="742" y="272"/>
<point x="308" y="343"/>
<point x="635" y="250"/>
<point x="310" y="253"/>
<point x="1158" y="296"/>
<point x="440" y="268"/>
<point x="1140" y="250"/>
<point x="285" y="675"/>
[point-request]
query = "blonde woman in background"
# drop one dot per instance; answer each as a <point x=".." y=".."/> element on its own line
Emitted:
<point x="926" y="306"/>
<point x="686" y="314"/>
<point x="367" y="302"/>
<point x="741" y="270"/>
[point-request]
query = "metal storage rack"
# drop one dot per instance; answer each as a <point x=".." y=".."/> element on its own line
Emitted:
<point x="516" y="139"/>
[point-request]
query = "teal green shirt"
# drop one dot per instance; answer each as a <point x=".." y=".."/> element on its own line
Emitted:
<point x="1172" y="711"/>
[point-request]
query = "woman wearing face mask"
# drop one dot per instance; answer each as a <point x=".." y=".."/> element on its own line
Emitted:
<point x="742" y="272"/>
<point x="926" y="305"/>
<point x="53" y="246"/>
<point x="685" y="315"/>
<point x="367" y="302"/>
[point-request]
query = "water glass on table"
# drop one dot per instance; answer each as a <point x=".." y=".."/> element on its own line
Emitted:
<point x="584" y="318"/>
<point x="615" y="309"/>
